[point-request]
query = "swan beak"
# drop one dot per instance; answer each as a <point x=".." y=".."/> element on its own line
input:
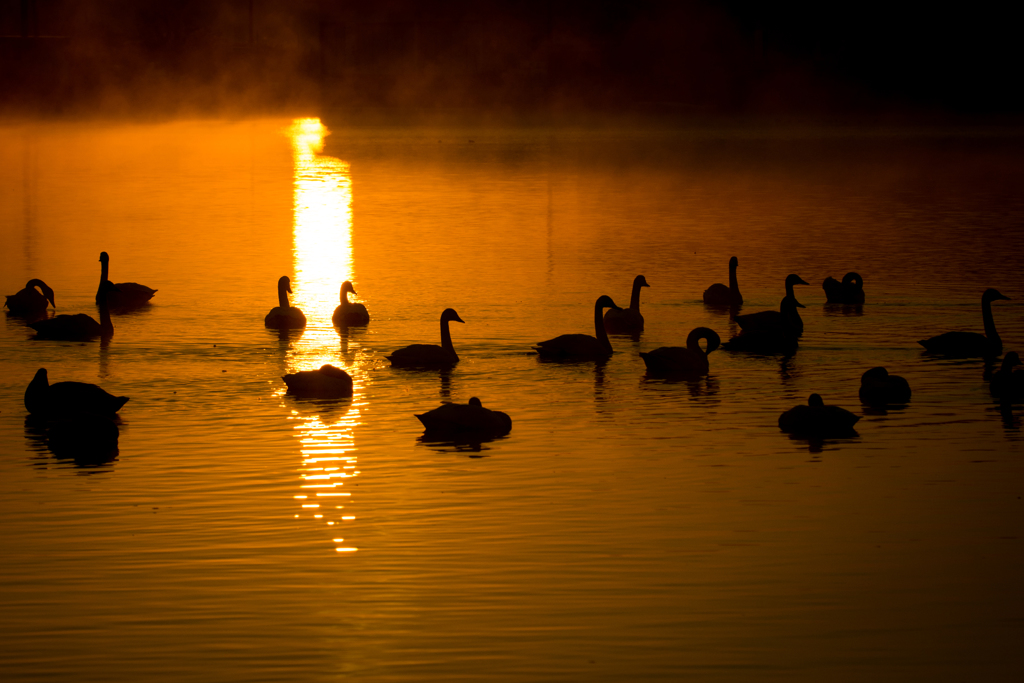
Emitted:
<point x="800" y="305"/>
<point x="459" y="320"/>
<point x="1004" y="298"/>
<point x="800" y="281"/>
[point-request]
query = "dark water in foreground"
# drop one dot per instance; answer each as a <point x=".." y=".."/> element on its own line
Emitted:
<point x="627" y="527"/>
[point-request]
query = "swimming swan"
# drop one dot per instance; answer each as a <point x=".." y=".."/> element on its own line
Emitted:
<point x="349" y="313"/>
<point x="429" y="355"/>
<point x="849" y="291"/>
<point x="627" y="320"/>
<point x="327" y="382"/>
<point x="68" y="398"/>
<point x="29" y="301"/>
<point x="127" y="294"/>
<point x="79" y="327"/>
<point x="818" y="419"/>
<point x="721" y="295"/>
<point x="283" y="316"/>
<point x="581" y="346"/>
<point x="771" y="319"/>
<point x="691" y="360"/>
<point x="452" y="419"/>
<point x="879" y="388"/>
<point x="778" y="337"/>
<point x="970" y="344"/>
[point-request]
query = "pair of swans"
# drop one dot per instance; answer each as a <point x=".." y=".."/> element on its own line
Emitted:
<point x="284" y="316"/>
<point x="771" y="331"/>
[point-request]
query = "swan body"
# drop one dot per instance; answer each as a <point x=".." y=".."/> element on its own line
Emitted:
<point x="818" y="419"/>
<point x="79" y="327"/>
<point x="463" y="419"/>
<point x="627" y="320"/>
<point x="349" y="313"/>
<point x="850" y="291"/>
<point x="283" y="316"/>
<point x="688" y="360"/>
<point x="773" y="319"/>
<point x="780" y="336"/>
<point x="879" y="388"/>
<point x="971" y="344"/>
<point x="725" y="295"/>
<point x="581" y="346"/>
<point x="1008" y="381"/>
<point x="429" y="355"/>
<point x="29" y="301"/>
<point x="127" y="294"/>
<point x="68" y="398"/>
<point x="327" y="382"/>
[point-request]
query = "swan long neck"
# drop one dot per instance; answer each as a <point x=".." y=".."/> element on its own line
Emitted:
<point x="104" y="271"/>
<point x="106" y="325"/>
<point x="789" y="289"/>
<point x="282" y="295"/>
<point x="734" y="286"/>
<point x="990" y="324"/>
<point x="344" y="298"/>
<point x="599" y="331"/>
<point x="446" y="338"/>
<point x="634" y="298"/>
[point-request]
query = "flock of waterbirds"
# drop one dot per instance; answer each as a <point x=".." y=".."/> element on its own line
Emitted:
<point x="80" y="419"/>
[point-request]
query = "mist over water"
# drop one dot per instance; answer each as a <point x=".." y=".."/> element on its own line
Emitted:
<point x="628" y="526"/>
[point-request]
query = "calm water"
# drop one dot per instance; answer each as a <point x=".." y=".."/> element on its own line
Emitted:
<point x="627" y="528"/>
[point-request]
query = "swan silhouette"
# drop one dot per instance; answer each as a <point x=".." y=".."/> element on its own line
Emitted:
<point x="78" y="327"/>
<point x="284" y="316"/>
<point x="29" y="301"/>
<point x="349" y="313"/>
<point x="777" y="334"/>
<point x="971" y="344"/>
<point x="818" y="419"/>
<point x="772" y="319"/>
<point x="327" y="382"/>
<point x="691" y="360"/>
<point x="68" y="398"/>
<point x="849" y="291"/>
<point x="722" y="295"/>
<point x="879" y="388"/>
<point x="581" y="346"/>
<point x="127" y="294"/>
<point x="429" y="355"/>
<point x="627" y="320"/>
<point x="453" y="419"/>
<point x="1007" y="382"/>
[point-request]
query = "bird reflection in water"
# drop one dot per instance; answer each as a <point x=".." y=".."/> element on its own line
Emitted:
<point x="845" y="310"/>
<point x="74" y="440"/>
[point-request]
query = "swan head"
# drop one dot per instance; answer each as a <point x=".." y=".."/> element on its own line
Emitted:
<point x="815" y="401"/>
<point x="450" y="314"/>
<point x="41" y="376"/>
<point x="329" y="369"/>
<point x="47" y="292"/>
<point x="104" y="258"/>
<point x="285" y="283"/>
<point x="346" y="286"/>
<point x="794" y="279"/>
<point x="476" y="402"/>
<point x="605" y="301"/>
<point x="878" y="374"/>
<point x="993" y="295"/>
<point x="733" y="262"/>
<point x="640" y="281"/>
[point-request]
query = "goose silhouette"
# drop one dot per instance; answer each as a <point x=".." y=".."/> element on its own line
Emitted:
<point x="327" y="382"/>
<point x="349" y="313"/>
<point x="970" y="344"/>
<point x="455" y="419"/>
<point x="78" y="327"/>
<point x="34" y="299"/>
<point x="777" y="334"/>
<point x="850" y="291"/>
<point x="879" y="388"/>
<point x="283" y="316"/>
<point x="68" y="398"/>
<point x="772" y="319"/>
<point x="688" y="360"/>
<point x="627" y="320"/>
<point x="725" y="295"/>
<point x="429" y="356"/>
<point x="127" y="294"/>
<point x="818" y="419"/>
<point x="581" y="346"/>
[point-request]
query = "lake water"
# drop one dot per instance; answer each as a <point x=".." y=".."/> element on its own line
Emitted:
<point x="628" y="528"/>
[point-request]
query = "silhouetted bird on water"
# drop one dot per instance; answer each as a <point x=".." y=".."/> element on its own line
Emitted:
<point x="68" y="398"/>
<point x="627" y="320"/>
<point x="676" y="360"/>
<point x="849" y="291"/>
<point x="127" y="294"/>
<point x="284" y="316"/>
<point x="971" y="344"/>
<point x="455" y="419"/>
<point x="722" y="295"/>
<point x="29" y="301"/>
<point x="581" y="346"/>
<point x="79" y="327"/>
<point x="879" y="388"/>
<point x="327" y="382"/>
<point x="818" y="419"/>
<point x="777" y="334"/>
<point x="1007" y="382"/>
<point x="773" y="319"/>
<point x="349" y="313"/>
<point x="429" y="355"/>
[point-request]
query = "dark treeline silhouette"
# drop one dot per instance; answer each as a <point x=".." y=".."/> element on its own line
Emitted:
<point x="689" y="58"/>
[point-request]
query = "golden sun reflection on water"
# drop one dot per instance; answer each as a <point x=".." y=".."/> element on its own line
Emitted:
<point x="322" y="233"/>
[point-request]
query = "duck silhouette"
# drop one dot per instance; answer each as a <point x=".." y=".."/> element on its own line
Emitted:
<point x="127" y="294"/>
<point x="33" y="300"/>
<point x="725" y="295"/>
<point x="284" y="316"/>
<point x="627" y="320"/>
<point x="689" y="360"/>
<point x="581" y="346"/>
<point x="68" y="398"/>
<point x="818" y="419"/>
<point x="971" y="344"/>
<point x="429" y="355"/>
<point x="327" y="382"/>
<point x="456" y="419"/>
<point x="850" y="291"/>
<point x="773" y="319"/>
<point x="777" y="334"/>
<point x="349" y="313"/>
<point x="878" y="388"/>
<point x="78" y="327"/>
